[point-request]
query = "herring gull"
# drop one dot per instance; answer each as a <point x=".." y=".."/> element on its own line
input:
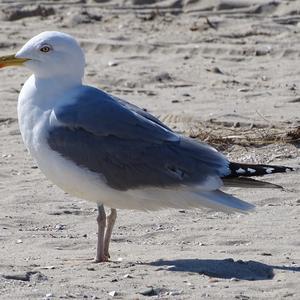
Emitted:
<point x="100" y="148"/>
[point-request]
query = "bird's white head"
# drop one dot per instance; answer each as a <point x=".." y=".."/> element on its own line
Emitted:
<point x="50" y="54"/>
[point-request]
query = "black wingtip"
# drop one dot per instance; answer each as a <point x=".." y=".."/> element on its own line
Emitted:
<point x="248" y="170"/>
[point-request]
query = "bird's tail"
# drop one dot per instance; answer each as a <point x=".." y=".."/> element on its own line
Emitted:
<point x="155" y="199"/>
<point x="240" y="173"/>
<point x="220" y="201"/>
<point x="191" y="197"/>
<point x="248" y="170"/>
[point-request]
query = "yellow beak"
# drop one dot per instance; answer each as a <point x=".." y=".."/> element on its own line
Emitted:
<point x="11" y="60"/>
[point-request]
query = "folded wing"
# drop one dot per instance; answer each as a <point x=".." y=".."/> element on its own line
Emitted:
<point x="130" y="147"/>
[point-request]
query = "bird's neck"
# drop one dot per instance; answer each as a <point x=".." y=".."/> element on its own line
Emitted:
<point x="37" y="99"/>
<point x="55" y="85"/>
<point x="47" y="92"/>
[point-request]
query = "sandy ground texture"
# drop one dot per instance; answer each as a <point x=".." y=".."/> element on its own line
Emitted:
<point x="224" y="71"/>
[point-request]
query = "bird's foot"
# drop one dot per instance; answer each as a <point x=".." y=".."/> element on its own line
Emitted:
<point x="101" y="259"/>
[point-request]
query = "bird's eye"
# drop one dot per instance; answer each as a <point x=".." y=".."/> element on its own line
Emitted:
<point x="45" y="48"/>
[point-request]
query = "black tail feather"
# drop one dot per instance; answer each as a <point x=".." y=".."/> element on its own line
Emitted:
<point x="248" y="170"/>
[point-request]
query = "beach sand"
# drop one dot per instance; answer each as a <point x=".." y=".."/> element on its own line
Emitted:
<point x="224" y="71"/>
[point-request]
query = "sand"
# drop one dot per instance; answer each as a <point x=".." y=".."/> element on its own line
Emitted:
<point x="227" y="69"/>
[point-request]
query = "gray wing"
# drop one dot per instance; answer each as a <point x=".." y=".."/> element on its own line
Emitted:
<point x="141" y="112"/>
<point x="99" y="113"/>
<point x="129" y="149"/>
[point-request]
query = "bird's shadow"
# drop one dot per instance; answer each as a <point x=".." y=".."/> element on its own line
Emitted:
<point x="225" y="268"/>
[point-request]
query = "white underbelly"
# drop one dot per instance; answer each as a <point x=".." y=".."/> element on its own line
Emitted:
<point x="73" y="179"/>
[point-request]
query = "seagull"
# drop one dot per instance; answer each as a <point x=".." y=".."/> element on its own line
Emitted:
<point x="103" y="149"/>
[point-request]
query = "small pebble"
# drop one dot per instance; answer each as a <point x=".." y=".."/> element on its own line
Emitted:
<point x="263" y="51"/>
<point x="216" y="70"/>
<point x="164" y="76"/>
<point x="112" y="293"/>
<point x="243" y="90"/>
<point x="266" y="254"/>
<point x="112" y="63"/>
<point x="60" y="226"/>
<point x="174" y="293"/>
<point x="37" y="277"/>
<point x="150" y="292"/>
<point x="264" y="78"/>
<point x="48" y="267"/>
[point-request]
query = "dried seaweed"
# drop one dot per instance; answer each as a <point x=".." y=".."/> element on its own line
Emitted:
<point x="223" y="138"/>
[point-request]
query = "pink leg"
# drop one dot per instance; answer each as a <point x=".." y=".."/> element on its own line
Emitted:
<point x="101" y="220"/>
<point x="111" y="219"/>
